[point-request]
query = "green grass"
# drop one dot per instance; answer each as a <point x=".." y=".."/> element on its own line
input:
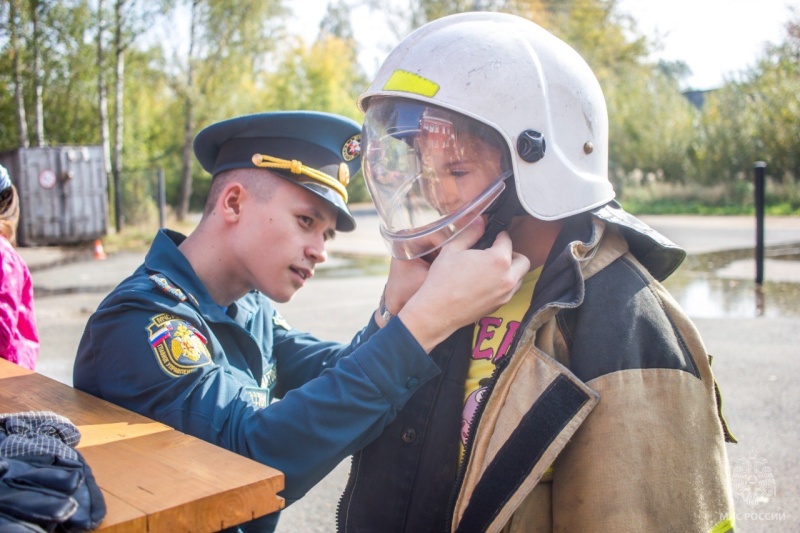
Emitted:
<point x="661" y="198"/>
<point x="669" y="206"/>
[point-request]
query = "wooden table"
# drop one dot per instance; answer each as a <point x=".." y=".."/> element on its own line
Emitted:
<point x="153" y="477"/>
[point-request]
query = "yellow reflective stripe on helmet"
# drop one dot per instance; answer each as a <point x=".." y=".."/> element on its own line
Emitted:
<point x="297" y="167"/>
<point x="723" y="527"/>
<point x="408" y="82"/>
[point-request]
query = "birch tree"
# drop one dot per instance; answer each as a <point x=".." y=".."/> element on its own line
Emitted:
<point x="14" y="27"/>
<point x="131" y="19"/>
<point x="38" y="9"/>
<point x="225" y="40"/>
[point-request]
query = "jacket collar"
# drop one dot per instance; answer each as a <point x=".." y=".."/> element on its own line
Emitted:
<point x="659" y="255"/>
<point x="165" y="258"/>
<point x="562" y="282"/>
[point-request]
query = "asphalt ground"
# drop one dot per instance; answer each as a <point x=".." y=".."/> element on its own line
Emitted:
<point x="755" y="352"/>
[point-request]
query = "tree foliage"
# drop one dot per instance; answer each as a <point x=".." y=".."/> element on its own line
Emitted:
<point x="755" y="117"/>
<point x="241" y="58"/>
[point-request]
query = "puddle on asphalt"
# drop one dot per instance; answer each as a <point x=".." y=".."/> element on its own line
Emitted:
<point x="708" y="297"/>
<point x="697" y="285"/>
<point x="706" y="285"/>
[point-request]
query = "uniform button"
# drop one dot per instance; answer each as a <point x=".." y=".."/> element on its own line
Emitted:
<point x="409" y="435"/>
<point x="412" y="383"/>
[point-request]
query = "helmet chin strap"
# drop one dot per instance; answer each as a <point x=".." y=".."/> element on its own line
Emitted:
<point x="502" y="210"/>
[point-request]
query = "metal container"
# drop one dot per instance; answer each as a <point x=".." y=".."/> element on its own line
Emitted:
<point x="62" y="192"/>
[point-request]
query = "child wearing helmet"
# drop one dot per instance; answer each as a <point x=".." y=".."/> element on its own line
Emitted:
<point x="19" y="336"/>
<point x="586" y="402"/>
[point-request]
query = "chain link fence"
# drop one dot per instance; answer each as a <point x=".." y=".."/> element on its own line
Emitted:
<point x="141" y="202"/>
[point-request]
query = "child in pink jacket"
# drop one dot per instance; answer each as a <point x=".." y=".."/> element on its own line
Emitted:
<point x="19" y="337"/>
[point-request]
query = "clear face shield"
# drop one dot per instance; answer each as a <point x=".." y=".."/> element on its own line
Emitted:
<point x="430" y="172"/>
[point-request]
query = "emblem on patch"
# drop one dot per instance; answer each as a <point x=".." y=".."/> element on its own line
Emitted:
<point x="165" y="286"/>
<point x="352" y="147"/>
<point x="280" y="322"/>
<point x="178" y="346"/>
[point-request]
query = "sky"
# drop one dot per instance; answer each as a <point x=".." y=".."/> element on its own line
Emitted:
<point x="715" y="38"/>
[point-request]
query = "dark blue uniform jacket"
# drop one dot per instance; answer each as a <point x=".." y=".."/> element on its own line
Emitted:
<point x="160" y="346"/>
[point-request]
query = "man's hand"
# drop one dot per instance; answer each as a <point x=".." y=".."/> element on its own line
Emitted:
<point x="462" y="286"/>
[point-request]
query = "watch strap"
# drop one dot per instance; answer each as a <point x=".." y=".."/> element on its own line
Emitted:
<point x="385" y="313"/>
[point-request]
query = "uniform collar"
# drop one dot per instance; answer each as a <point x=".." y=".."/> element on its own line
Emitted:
<point x="165" y="258"/>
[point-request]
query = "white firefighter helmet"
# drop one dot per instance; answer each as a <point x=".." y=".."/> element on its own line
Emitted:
<point x="493" y="76"/>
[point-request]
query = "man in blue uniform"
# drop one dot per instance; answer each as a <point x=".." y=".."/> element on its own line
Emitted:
<point x="191" y="338"/>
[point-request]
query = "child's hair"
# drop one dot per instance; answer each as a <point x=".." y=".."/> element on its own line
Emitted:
<point x="9" y="214"/>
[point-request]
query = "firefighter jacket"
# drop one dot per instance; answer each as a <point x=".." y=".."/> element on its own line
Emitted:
<point x="603" y="417"/>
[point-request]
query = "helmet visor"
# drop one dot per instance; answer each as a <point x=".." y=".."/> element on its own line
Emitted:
<point x="430" y="172"/>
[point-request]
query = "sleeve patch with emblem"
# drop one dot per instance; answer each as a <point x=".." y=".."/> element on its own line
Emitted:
<point x="178" y="346"/>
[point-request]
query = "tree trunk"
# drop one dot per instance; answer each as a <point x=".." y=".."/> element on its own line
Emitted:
<point x="19" y="96"/>
<point x="102" y="100"/>
<point x="119" y="91"/>
<point x="187" y="153"/>
<point x="37" y="72"/>
<point x="188" y="126"/>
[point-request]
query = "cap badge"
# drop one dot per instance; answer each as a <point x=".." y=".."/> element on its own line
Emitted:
<point x="352" y="147"/>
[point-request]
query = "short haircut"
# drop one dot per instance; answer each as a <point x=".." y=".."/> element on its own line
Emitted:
<point x="259" y="182"/>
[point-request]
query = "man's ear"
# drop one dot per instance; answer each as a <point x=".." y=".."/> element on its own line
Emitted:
<point x="231" y="200"/>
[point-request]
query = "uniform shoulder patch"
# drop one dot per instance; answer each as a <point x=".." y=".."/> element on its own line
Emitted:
<point x="280" y="322"/>
<point x="178" y="346"/>
<point x="162" y="283"/>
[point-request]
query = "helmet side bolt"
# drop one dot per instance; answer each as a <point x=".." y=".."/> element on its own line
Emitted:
<point x="531" y="146"/>
<point x="588" y="148"/>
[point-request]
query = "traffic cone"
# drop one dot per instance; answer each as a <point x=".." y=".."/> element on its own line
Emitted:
<point x="98" y="250"/>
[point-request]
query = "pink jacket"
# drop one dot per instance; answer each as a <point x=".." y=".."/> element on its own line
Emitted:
<point x="19" y="337"/>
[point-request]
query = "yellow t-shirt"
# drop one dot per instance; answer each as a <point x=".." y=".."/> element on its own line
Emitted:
<point x="493" y="336"/>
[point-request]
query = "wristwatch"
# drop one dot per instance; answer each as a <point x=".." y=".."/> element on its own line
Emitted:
<point x="385" y="313"/>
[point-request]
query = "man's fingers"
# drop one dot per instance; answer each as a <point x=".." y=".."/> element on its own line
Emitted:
<point x="520" y="265"/>
<point x="502" y="243"/>
<point x="467" y="238"/>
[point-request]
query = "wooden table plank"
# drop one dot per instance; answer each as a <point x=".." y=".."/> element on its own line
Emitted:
<point x="40" y="393"/>
<point x="121" y="517"/>
<point x="153" y="477"/>
<point x="173" y="467"/>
